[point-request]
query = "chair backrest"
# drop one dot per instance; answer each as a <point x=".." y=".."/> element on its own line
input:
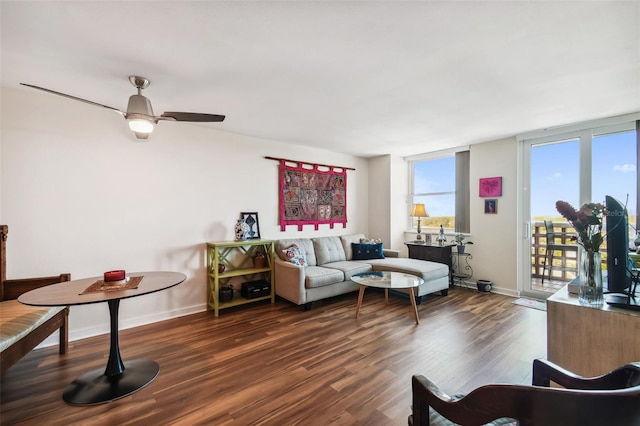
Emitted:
<point x="613" y="398"/>
<point x="11" y="289"/>
<point x="549" y="233"/>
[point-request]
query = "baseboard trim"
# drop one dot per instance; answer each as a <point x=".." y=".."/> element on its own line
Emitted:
<point x="129" y="323"/>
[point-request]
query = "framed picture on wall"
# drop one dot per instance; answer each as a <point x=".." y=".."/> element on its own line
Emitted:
<point x="491" y="206"/>
<point x="251" y="219"/>
<point x="491" y="187"/>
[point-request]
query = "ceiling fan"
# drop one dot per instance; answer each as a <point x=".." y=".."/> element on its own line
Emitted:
<point x="139" y="114"/>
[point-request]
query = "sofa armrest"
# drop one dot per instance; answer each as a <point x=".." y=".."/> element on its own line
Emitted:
<point x="290" y="281"/>
<point x="391" y="253"/>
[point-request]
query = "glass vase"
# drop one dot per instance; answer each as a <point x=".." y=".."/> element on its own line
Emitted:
<point x="591" y="292"/>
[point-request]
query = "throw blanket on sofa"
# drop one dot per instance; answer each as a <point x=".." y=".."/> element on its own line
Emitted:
<point x="312" y="196"/>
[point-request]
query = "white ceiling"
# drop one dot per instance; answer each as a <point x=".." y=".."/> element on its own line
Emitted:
<point x="364" y="78"/>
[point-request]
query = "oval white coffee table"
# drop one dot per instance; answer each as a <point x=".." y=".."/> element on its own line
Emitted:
<point x="387" y="280"/>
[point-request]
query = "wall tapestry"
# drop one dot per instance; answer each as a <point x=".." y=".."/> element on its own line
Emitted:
<point x="310" y="196"/>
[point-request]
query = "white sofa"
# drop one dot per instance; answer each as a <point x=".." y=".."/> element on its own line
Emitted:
<point x="330" y="266"/>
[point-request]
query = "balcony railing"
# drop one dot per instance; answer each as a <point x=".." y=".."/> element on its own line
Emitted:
<point x="565" y="262"/>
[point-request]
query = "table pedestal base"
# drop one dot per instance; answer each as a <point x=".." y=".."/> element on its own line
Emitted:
<point x="96" y="388"/>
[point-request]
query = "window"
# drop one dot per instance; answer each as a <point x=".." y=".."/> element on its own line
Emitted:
<point x="614" y="169"/>
<point x="441" y="183"/>
<point x="584" y="167"/>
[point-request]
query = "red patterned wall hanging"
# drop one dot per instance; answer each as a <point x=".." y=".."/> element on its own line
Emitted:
<point x="312" y="194"/>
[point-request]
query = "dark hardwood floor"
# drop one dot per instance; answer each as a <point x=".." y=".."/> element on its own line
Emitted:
<point x="276" y="364"/>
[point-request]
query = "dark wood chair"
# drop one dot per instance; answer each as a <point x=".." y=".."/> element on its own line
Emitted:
<point x="611" y="399"/>
<point x="15" y="317"/>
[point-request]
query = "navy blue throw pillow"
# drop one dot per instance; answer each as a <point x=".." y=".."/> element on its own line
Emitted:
<point x="367" y="251"/>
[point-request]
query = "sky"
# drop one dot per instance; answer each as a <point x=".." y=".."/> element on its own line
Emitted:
<point x="555" y="172"/>
<point x="437" y="175"/>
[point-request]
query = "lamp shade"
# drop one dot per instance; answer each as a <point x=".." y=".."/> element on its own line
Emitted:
<point x="418" y="210"/>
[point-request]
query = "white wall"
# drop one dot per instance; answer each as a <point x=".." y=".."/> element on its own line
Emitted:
<point x="81" y="195"/>
<point x="379" y="201"/>
<point x="399" y="199"/>
<point x="494" y="235"/>
<point x="388" y="194"/>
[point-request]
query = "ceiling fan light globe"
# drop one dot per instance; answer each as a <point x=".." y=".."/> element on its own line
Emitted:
<point x="140" y="125"/>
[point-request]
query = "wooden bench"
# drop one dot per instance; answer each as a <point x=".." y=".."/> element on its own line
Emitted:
<point x="23" y="327"/>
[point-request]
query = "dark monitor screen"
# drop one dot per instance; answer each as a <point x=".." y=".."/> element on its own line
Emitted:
<point x="618" y="274"/>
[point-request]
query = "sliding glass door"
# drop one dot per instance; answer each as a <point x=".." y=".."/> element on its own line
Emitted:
<point x="577" y="166"/>
<point x="555" y="175"/>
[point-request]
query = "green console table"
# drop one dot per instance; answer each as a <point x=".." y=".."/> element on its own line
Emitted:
<point x="237" y="258"/>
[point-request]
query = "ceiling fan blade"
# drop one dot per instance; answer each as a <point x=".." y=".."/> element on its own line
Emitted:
<point x="74" y="98"/>
<point x="191" y="116"/>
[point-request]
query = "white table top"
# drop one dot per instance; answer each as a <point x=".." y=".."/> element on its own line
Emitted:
<point x="387" y="280"/>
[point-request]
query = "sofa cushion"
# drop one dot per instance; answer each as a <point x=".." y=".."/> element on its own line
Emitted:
<point x="294" y="255"/>
<point x="346" y="241"/>
<point x="318" y="276"/>
<point x="18" y="320"/>
<point x="349" y="267"/>
<point x="328" y="249"/>
<point x="427" y="270"/>
<point x="367" y="251"/>
<point x="305" y="245"/>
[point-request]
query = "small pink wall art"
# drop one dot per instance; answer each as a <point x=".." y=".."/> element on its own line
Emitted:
<point x="491" y="187"/>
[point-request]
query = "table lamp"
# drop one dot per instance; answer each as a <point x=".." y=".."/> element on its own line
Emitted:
<point x="419" y="211"/>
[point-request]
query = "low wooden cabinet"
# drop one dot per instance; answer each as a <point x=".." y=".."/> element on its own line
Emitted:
<point x="238" y="260"/>
<point x="590" y="341"/>
<point x="433" y="253"/>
